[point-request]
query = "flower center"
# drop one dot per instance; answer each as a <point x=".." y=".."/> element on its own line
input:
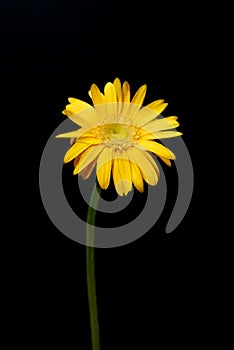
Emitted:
<point x="116" y="131"/>
<point x="119" y="136"/>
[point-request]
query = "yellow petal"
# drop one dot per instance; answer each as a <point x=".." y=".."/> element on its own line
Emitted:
<point x="161" y="124"/>
<point x="122" y="173"/>
<point x="90" y="94"/>
<point x="146" y="115"/>
<point x="110" y="93"/>
<point x="66" y="112"/>
<point x="88" y="133"/>
<point x="154" y="105"/>
<point x="137" y="177"/>
<point x="147" y="170"/>
<point x="166" y="134"/>
<point x="75" y="106"/>
<point x="82" y="132"/>
<point x="88" y="158"/>
<point x="157" y="106"/>
<point x="166" y="161"/>
<point x="85" y="118"/>
<point x="110" y="100"/>
<point x="76" y="160"/>
<point x="86" y="172"/>
<point x="75" y="150"/>
<point x="81" y="156"/>
<point x="117" y="85"/>
<point x="152" y="162"/>
<point x="126" y="92"/>
<point x="148" y="111"/>
<point x="104" y="165"/>
<point x="124" y="110"/>
<point x="118" y="89"/>
<point x="139" y="96"/>
<point x="136" y="102"/>
<point x="79" y="103"/>
<point x="72" y="109"/>
<point x="97" y="96"/>
<point x="159" y="135"/>
<point x="125" y="169"/>
<point x="157" y="148"/>
<point x="69" y="135"/>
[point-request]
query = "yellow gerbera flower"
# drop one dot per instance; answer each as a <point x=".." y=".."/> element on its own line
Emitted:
<point x="116" y="135"/>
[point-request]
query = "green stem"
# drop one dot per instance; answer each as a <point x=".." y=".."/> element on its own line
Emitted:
<point x="90" y="267"/>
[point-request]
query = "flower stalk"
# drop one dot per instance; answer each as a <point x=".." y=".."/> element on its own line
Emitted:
<point x="90" y="267"/>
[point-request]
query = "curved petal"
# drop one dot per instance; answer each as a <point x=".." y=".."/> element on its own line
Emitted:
<point x="86" y="117"/>
<point x="76" y="160"/>
<point x="166" y="161"/>
<point x="86" y="172"/>
<point x="166" y="134"/>
<point x="96" y="95"/>
<point x="139" y="96"/>
<point x="75" y="150"/>
<point x="160" y="135"/>
<point x="157" y="148"/>
<point x="80" y="133"/>
<point x="147" y="170"/>
<point x="110" y="93"/>
<point x="136" y="102"/>
<point x="110" y="99"/>
<point x="117" y="85"/>
<point x="71" y="134"/>
<point x="104" y="165"/>
<point x="88" y="158"/>
<point x="146" y="115"/>
<point x="118" y="89"/>
<point x="161" y="124"/>
<point x="148" y="111"/>
<point x="126" y="92"/>
<point x="152" y="162"/>
<point x="122" y="173"/>
<point x="79" y="103"/>
<point x="137" y="179"/>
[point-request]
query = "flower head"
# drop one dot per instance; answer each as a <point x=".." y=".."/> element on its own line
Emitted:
<point x="117" y="135"/>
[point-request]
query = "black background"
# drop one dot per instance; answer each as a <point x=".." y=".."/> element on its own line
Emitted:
<point x="156" y="290"/>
